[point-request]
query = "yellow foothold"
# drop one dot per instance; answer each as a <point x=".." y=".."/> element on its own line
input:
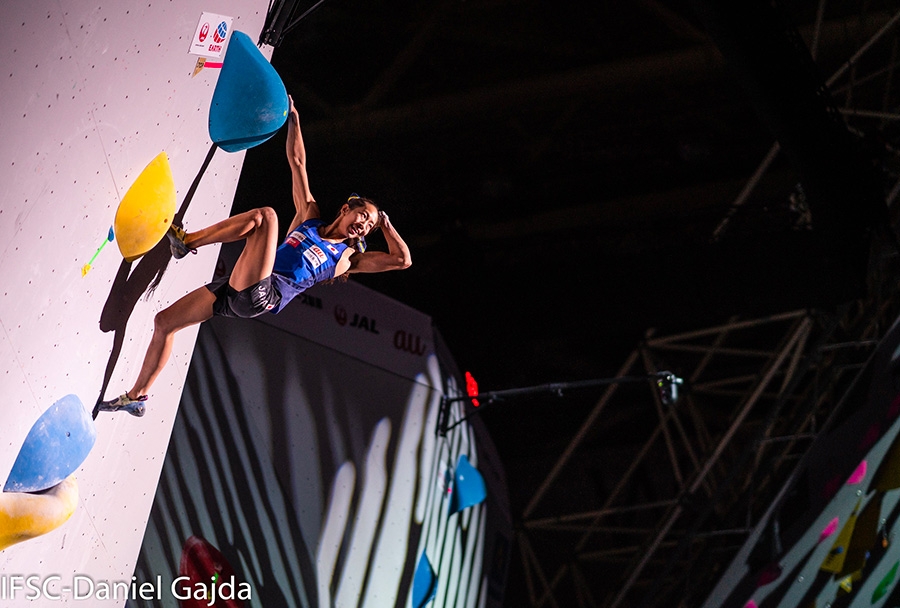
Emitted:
<point x="24" y="515"/>
<point x="142" y="218"/>
<point x="85" y="269"/>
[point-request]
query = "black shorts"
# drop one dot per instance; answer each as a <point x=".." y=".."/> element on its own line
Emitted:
<point x="247" y="303"/>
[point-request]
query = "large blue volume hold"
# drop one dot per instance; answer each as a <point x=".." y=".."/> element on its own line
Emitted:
<point x="250" y="102"/>
<point x="54" y="448"/>
<point x="468" y="486"/>
<point x="424" y="583"/>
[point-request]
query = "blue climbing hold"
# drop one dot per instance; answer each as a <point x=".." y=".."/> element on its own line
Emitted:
<point x="424" y="583"/>
<point x="250" y="102"/>
<point x="468" y="486"/>
<point x="54" y="448"/>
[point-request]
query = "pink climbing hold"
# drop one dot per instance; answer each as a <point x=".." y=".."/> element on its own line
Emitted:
<point x="858" y="475"/>
<point x="829" y="529"/>
<point x="750" y="604"/>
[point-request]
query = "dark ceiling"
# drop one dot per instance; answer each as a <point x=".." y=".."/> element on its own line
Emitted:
<point x="560" y="169"/>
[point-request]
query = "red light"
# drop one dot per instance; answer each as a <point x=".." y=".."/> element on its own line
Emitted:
<point x="472" y="388"/>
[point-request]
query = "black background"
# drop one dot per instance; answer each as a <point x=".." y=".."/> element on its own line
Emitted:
<point x="559" y="170"/>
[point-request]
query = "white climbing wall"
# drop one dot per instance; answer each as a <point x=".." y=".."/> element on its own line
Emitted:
<point x="91" y="92"/>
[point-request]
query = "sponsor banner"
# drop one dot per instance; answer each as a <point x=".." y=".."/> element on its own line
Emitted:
<point x="353" y="319"/>
<point x="362" y="323"/>
<point x="211" y="35"/>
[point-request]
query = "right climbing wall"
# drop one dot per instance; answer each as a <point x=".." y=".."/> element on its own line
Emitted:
<point x="831" y="539"/>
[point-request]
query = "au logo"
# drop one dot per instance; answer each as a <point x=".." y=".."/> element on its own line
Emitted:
<point x="409" y="342"/>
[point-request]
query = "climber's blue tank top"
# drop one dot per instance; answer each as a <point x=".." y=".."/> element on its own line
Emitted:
<point x="303" y="260"/>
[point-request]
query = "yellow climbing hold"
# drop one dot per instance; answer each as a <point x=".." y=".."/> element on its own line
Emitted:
<point x="24" y="515"/>
<point x="834" y="561"/>
<point x="146" y="210"/>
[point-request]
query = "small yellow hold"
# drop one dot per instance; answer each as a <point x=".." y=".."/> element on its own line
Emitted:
<point x="146" y="210"/>
<point x="198" y="67"/>
<point x="24" y="515"/>
<point x="85" y="269"/>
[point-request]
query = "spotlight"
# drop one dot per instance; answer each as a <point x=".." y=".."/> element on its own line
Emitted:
<point x="668" y="383"/>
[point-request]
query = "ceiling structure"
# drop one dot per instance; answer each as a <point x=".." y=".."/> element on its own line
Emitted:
<point x="571" y="175"/>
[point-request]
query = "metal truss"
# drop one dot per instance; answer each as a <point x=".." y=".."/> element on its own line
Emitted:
<point x="757" y="393"/>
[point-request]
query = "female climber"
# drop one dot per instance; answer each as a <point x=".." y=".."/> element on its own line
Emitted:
<point x="267" y="275"/>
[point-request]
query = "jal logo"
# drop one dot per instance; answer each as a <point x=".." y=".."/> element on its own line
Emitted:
<point x="204" y="32"/>
<point x="221" y="32"/>
<point x="359" y="321"/>
<point x="410" y="343"/>
<point x="364" y="323"/>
